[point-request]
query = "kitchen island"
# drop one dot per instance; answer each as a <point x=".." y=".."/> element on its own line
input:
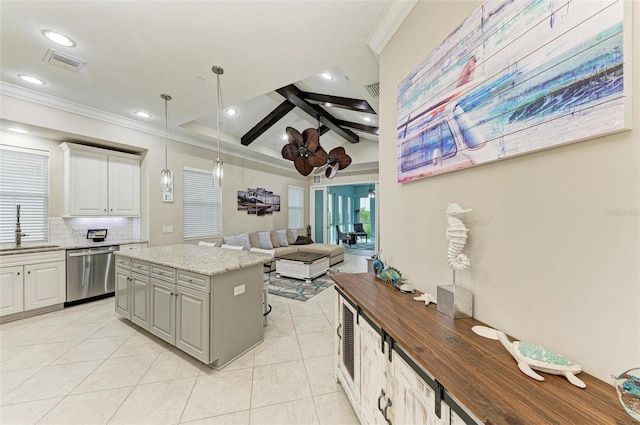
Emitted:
<point x="206" y="301"/>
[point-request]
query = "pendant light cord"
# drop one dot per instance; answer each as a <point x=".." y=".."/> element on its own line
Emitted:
<point x="166" y="124"/>
<point x="218" y="112"/>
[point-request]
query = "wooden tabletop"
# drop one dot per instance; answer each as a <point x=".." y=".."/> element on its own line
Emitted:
<point x="476" y="371"/>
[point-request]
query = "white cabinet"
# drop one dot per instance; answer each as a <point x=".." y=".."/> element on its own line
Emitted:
<point x="11" y="290"/>
<point x="123" y="290"/>
<point x="100" y="182"/>
<point x="140" y="299"/>
<point x="348" y="350"/>
<point x="414" y="400"/>
<point x="29" y="282"/>
<point x="385" y="389"/>
<point x="162" y="320"/>
<point x="375" y="397"/>
<point x="192" y="322"/>
<point x="44" y="284"/>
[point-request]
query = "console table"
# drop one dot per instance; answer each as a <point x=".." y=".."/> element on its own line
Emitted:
<point x="402" y="362"/>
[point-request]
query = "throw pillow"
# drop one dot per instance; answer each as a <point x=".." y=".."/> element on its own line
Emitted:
<point x="303" y="240"/>
<point x="292" y="235"/>
<point x="274" y="239"/>
<point x="265" y="240"/>
<point x="253" y="240"/>
<point x="238" y="240"/>
<point x="282" y="237"/>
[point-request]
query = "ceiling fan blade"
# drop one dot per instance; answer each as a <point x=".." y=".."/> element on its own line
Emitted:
<point x="344" y="160"/>
<point x="294" y="136"/>
<point x="318" y="158"/>
<point x="331" y="171"/>
<point x="290" y="152"/>
<point x="303" y="166"/>
<point x="337" y="151"/>
<point x="311" y="139"/>
<point x="320" y="169"/>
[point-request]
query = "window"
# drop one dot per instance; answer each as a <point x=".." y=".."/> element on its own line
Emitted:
<point x="24" y="181"/>
<point x="349" y="213"/>
<point x="202" y="205"/>
<point x="296" y="207"/>
<point x="340" y="214"/>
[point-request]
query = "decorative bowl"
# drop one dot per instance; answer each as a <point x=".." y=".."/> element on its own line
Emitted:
<point x="628" y="387"/>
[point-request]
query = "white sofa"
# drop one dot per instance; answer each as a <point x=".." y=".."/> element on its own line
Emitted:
<point x="255" y="240"/>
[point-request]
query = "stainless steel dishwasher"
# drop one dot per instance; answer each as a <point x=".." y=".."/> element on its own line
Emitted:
<point x="90" y="273"/>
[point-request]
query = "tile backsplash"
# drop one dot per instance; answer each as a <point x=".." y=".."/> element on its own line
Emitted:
<point x="72" y="230"/>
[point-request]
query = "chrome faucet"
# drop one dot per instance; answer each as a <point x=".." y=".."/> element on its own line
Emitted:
<point x="19" y="233"/>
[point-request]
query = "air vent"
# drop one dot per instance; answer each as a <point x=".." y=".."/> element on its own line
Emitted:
<point x="316" y="179"/>
<point x="373" y="89"/>
<point x="64" y="61"/>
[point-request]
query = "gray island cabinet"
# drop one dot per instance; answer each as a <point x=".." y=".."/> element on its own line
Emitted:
<point x="206" y="301"/>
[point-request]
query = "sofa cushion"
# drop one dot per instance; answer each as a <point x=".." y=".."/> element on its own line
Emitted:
<point x="282" y="238"/>
<point x="239" y="240"/>
<point x="274" y="239"/>
<point x="253" y="240"/>
<point x="284" y="250"/>
<point x="322" y="248"/>
<point x="265" y="240"/>
<point x="292" y="235"/>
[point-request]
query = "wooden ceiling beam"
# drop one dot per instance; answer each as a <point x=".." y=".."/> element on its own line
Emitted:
<point x="267" y="122"/>
<point x="362" y="127"/>
<point x="294" y="95"/>
<point x="358" y="105"/>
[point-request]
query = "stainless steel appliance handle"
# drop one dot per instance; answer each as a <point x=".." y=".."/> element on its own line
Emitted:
<point x="84" y="254"/>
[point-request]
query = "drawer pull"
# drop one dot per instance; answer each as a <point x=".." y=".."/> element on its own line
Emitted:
<point x="380" y="397"/>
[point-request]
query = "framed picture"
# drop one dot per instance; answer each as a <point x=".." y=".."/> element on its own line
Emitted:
<point x="516" y="77"/>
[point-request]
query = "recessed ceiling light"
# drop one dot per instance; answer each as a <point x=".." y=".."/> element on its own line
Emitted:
<point x="18" y="130"/>
<point x="326" y="76"/>
<point x="368" y="119"/>
<point x="329" y="104"/>
<point x="231" y="111"/>
<point x="143" y="114"/>
<point x="30" y="79"/>
<point x="58" y="38"/>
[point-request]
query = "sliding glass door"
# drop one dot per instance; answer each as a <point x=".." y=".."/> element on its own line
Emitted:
<point x="319" y="215"/>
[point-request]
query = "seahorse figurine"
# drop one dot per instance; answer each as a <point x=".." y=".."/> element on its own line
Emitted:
<point x="457" y="237"/>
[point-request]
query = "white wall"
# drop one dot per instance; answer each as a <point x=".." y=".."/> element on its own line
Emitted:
<point x="554" y="236"/>
<point x="240" y="174"/>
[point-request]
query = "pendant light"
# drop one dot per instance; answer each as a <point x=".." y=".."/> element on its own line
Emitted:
<point x="166" y="175"/>
<point x="217" y="164"/>
<point x="371" y="193"/>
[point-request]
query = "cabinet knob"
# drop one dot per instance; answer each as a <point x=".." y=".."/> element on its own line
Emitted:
<point x="18" y="273"/>
<point x="171" y="293"/>
<point x="29" y="272"/>
<point x="105" y="209"/>
<point x="111" y="209"/>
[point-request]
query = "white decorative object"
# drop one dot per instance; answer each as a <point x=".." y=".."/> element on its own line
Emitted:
<point x="427" y="298"/>
<point x="457" y="237"/>
<point x="532" y="356"/>
<point x="456" y="302"/>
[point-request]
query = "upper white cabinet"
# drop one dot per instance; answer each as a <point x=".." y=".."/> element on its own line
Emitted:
<point x="100" y="182"/>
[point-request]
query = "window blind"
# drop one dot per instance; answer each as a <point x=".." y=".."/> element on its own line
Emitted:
<point x="296" y="207"/>
<point x="24" y="180"/>
<point x="202" y="215"/>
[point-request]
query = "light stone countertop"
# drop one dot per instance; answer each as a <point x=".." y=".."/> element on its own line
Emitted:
<point x="203" y="260"/>
<point x="30" y="247"/>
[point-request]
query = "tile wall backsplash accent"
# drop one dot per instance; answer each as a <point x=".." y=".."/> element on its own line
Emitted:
<point x="73" y="230"/>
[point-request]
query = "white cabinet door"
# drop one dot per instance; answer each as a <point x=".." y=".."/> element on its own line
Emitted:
<point x="414" y="400"/>
<point x="124" y="186"/>
<point x="140" y="300"/>
<point x="162" y="319"/>
<point x="348" y="350"/>
<point x="11" y="290"/>
<point x="44" y="285"/>
<point x="87" y="183"/>
<point x="374" y="392"/>
<point x="123" y="292"/>
<point x="192" y="322"/>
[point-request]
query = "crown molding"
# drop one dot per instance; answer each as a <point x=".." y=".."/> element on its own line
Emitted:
<point x="388" y="23"/>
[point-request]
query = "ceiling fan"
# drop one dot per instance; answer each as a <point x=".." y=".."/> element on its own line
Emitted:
<point x="306" y="153"/>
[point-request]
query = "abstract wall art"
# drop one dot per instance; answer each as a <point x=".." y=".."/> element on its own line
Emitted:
<point x="258" y="201"/>
<point x="516" y="77"/>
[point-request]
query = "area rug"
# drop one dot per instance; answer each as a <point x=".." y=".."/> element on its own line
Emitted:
<point x="297" y="289"/>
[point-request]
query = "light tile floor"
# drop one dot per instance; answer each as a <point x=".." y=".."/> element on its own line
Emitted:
<point x="86" y="365"/>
